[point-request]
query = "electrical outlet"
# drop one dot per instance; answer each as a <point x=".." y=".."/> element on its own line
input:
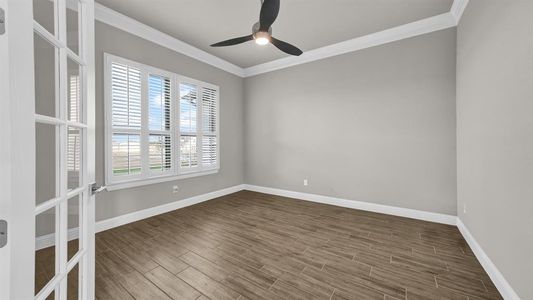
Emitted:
<point x="464" y="208"/>
<point x="305" y="182"/>
<point x="175" y="189"/>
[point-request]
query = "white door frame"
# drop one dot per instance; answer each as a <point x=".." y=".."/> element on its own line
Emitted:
<point x="17" y="153"/>
<point x="17" y="130"/>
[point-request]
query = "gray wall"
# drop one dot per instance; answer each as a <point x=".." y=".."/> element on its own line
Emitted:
<point x="377" y="125"/>
<point x="495" y="134"/>
<point x="116" y="203"/>
<point x="117" y="42"/>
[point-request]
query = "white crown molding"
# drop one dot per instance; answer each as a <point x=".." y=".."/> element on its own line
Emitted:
<point x="353" y="204"/>
<point x="439" y="22"/>
<point x="125" y="23"/>
<point x="495" y="275"/>
<point x="413" y="29"/>
<point x="458" y="8"/>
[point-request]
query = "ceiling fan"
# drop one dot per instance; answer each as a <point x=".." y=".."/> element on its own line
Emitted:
<point x="262" y="31"/>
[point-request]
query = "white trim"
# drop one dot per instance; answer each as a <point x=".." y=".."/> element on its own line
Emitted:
<point x="413" y="29"/>
<point x="49" y="239"/>
<point x="120" y="21"/>
<point x="17" y="153"/>
<point x="142" y="182"/>
<point x="367" y="206"/>
<point x="495" y="275"/>
<point x="458" y="8"/>
<point x="428" y="25"/>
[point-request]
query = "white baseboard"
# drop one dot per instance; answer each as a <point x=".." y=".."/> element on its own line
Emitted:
<point x="367" y="206"/>
<point x="154" y="211"/>
<point x="49" y="239"/>
<point x="495" y="275"/>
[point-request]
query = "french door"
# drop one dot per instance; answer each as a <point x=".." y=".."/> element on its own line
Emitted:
<point x="48" y="154"/>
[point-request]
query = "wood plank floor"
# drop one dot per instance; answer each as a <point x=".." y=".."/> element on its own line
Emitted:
<point x="255" y="246"/>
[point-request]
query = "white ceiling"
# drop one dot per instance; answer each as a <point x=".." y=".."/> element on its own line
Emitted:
<point x="308" y="24"/>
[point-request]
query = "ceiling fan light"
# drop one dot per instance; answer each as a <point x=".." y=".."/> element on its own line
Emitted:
<point x="261" y="41"/>
<point x="262" y="38"/>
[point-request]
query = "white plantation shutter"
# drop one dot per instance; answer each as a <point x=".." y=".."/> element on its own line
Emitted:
<point x="209" y="127"/>
<point x="126" y="119"/>
<point x="159" y="103"/>
<point x="160" y="152"/>
<point x="126" y="151"/>
<point x="159" y="127"/>
<point x="159" y="124"/>
<point x="126" y="96"/>
<point x="188" y="126"/>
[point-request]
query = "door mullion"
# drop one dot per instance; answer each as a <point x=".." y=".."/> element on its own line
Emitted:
<point x="61" y="294"/>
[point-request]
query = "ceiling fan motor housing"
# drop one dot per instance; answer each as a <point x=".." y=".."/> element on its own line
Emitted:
<point x="255" y="29"/>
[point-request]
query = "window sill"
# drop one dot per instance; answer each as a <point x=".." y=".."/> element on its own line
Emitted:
<point x="142" y="182"/>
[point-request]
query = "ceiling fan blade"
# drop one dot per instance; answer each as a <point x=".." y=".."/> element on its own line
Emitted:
<point x="286" y="47"/>
<point x="269" y="13"/>
<point x="234" y="41"/>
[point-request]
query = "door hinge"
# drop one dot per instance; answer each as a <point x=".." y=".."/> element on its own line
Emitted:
<point x="2" y="21"/>
<point x="3" y="233"/>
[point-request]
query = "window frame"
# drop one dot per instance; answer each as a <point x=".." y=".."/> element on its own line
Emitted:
<point x="147" y="176"/>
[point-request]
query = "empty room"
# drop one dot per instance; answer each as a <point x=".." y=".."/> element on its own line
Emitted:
<point x="266" y="149"/>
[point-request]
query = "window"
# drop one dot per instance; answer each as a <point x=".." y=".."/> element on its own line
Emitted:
<point x="159" y="125"/>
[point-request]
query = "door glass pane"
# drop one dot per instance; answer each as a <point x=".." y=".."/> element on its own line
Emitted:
<point x="44" y="14"/>
<point x="74" y="106"/>
<point x="45" y="67"/>
<point x="45" y="256"/>
<point x="73" y="280"/>
<point x="45" y="162"/>
<point x="74" y="159"/>
<point x="73" y="38"/>
<point x="73" y="221"/>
